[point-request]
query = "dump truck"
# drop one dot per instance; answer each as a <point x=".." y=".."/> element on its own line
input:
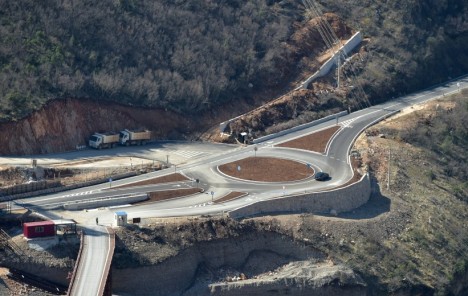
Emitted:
<point x="134" y="137"/>
<point x="104" y="140"/>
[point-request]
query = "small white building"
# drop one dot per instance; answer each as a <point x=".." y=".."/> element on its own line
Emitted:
<point x="120" y="218"/>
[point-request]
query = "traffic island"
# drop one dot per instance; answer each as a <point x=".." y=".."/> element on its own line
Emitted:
<point x="267" y="169"/>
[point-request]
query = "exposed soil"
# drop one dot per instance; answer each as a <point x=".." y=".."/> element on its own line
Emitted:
<point x="169" y="194"/>
<point x="316" y="142"/>
<point x="66" y="124"/>
<point x="266" y="169"/>
<point x="12" y="287"/>
<point x="230" y="196"/>
<point x="159" y="180"/>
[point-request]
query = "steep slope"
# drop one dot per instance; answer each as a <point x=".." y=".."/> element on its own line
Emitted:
<point x="409" y="239"/>
<point x="64" y="124"/>
<point x="193" y="55"/>
<point x="205" y="62"/>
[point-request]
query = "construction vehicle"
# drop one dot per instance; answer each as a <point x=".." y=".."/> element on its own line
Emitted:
<point x="134" y="137"/>
<point x="104" y="140"/>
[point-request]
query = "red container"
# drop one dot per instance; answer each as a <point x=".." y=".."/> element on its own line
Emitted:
<point x="39" y="229"/>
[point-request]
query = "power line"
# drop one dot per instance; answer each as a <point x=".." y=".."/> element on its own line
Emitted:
<point x="331" y="39"/>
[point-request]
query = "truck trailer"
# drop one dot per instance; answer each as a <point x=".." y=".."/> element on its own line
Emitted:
<point x="104" y="140"/>
<point x="134" y="137"/>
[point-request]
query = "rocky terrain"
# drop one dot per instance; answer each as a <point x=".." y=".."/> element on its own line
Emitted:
<point x="408" y="239"/>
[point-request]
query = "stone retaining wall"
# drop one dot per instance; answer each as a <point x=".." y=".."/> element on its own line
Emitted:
<point x="340" y="200"/>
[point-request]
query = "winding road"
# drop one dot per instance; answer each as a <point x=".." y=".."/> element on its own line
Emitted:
<point x="335" y="161"/>
<point x="97" y="246"/>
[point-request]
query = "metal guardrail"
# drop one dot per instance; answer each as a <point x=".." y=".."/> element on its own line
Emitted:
<point x="78" y="259"/>
<point x="106" y="270"/>
<point x="109" y="257"/>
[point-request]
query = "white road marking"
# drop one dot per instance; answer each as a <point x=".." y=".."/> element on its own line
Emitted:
<point x="347" y="123"/>
<point x="188" y="153"/>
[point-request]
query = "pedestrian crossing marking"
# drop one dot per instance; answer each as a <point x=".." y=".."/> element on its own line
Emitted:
<point x="79" y="193"/>
<point x="188" y="153"/>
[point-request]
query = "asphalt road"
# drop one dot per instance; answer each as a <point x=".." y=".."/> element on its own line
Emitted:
<point x="91" y="275"/>
<point x="204" y="167"/>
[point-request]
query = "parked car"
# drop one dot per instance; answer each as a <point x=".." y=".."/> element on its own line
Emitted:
<point x="321" y="176"/>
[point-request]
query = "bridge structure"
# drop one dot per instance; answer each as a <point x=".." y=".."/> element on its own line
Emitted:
<point x="91" y="275"/>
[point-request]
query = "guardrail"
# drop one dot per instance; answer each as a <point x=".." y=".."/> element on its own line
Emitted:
<point x="78" y="259"/>
<point x="104" y="279"/>
<point x="110" y="254"/>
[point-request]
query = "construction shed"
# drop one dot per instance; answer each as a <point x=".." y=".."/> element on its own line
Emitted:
<point x="39" y="229"/>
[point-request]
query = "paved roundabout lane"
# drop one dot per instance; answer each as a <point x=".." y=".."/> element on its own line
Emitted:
<point x="335" y="161"/>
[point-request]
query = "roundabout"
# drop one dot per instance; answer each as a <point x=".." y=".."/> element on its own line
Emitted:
<point x="267" y="169"/>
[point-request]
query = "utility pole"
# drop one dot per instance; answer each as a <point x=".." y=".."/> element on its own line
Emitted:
<point x="338" y="66"/>
<point x="388" y="173"/>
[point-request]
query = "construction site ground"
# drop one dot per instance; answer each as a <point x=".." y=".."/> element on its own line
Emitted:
<point x="385" y="216"/>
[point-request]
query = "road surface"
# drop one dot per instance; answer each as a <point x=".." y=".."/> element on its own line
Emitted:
<point x="335" y="161"/>
<point x="93" y="267"/>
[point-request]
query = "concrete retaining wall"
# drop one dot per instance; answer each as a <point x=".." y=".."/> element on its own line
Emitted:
<point x="64" y="188"/>
<point x="341" y="200"/>
<point x="300" y="127"/>
<point x="25" y="188"/>
<point x="354" y="41"/>
<point x="108" y="202"/>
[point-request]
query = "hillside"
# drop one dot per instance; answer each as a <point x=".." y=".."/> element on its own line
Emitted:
<point x="192" y="56"/>
<point x="409" y="239"/>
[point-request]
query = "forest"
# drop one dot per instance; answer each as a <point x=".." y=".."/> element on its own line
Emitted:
<point x="193" y="55"/>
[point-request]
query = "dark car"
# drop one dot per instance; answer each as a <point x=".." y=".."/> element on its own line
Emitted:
<point x="321" y="176"/>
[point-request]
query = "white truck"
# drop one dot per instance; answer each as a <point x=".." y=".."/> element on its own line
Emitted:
<point x="104" y="140"/>
<point x="134" y="137"/>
